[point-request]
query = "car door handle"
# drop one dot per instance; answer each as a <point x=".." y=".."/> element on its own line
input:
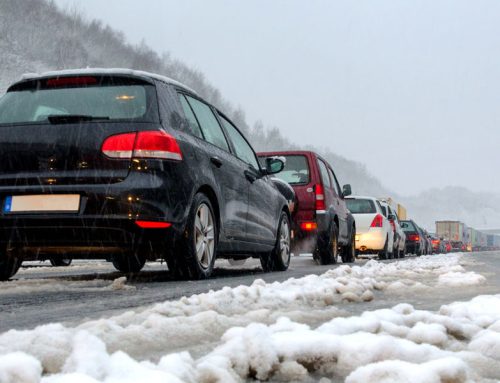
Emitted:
<point x="250" y="176"/>
<point x="216" y="161"/>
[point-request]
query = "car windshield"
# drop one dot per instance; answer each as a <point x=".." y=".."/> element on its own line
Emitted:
<point x="296" y="170"/>
<point x="104" y="101"/>
<point x="408" y="226"/>
<point x="361" y="206"/>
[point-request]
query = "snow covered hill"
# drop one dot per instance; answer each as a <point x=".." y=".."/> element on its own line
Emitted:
<point x="36" y="36"/>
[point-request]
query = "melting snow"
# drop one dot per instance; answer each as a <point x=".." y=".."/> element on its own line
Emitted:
<point x="254" y="332"/>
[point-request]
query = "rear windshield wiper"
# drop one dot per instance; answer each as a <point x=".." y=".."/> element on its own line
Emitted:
<point x="69" y="118"/>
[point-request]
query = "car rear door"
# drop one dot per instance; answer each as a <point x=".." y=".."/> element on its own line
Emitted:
<point x="263" y="197"/>
<point x="342" y="210"/>
<point x="227" y="169"/>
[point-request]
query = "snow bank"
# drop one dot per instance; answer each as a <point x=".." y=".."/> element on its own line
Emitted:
<point x="255" y="332"/>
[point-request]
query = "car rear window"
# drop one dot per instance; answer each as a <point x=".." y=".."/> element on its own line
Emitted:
<point x="296" y="170"/>
<point x="408" y="226"/>
<point x="360" y="206"/>
<point x="93" y="97"/>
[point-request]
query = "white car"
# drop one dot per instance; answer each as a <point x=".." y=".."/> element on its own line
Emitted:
<point x="399" y="234"/>
<point x="374" y="233"/>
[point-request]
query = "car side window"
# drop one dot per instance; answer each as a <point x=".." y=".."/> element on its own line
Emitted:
<point x="194" y="127"/>
<point x="324" y="174"/>
<point x="209" y="125"/>
<point x="243" y="150"/>
<point x="335" y="182"/>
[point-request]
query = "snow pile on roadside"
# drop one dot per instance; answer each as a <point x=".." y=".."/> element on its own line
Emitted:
<point x="278" y="347"/>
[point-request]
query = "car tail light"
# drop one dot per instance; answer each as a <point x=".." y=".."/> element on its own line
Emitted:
<point x="149" y="144"/>
<point x="435" y="241"/>
<point x="157" y="144"/>
<point x="308" y="226"/>
<point x="393" y="225"/>
<point x="378" y="221"/>
<point x="153" y="224"/>
<point x="320" y="198"/>
<point x="414" y="237"/>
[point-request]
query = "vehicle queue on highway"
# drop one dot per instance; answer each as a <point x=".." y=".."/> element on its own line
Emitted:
<point x="130" y="166"/>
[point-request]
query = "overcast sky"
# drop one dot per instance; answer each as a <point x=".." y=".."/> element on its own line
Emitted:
<point x="409" y="88"/>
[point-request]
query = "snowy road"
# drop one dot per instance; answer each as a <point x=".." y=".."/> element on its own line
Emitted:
<point x="377" y="320"/>
<point x="43" y="294"/>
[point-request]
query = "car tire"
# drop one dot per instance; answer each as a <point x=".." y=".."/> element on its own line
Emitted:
<point x="349" y="250"/>
<point x="327" y="252"/>
<point x="279" y="258"/>
<point x="193" y="256"/>
<point x="59" y="262"/>
<point x="384" y="253"/>
<point x="402" y="253"/>
<point x="128" y="263"/>
<point x="9" y="265"/>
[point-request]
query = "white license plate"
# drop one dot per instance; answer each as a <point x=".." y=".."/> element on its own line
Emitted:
<point x="64" y="203"/>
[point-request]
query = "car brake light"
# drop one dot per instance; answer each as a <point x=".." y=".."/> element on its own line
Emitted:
<point x="153" y="224"/>
<point x="393" y="225"/>
<point x="149" y="144"/>
<point x="414" y="237"/>
<point x="378" y="221"/>
<point x="308" y="226"/>
<point x="119" y="146"/>
<point x="65" y="81"/>
<point x="320" y="198"/>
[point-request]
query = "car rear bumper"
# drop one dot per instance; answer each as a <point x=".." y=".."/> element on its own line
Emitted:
<point x="106" y="217"/>
<point x="371" y="240"/>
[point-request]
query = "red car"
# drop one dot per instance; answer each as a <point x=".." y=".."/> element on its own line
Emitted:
<point x="322" y="224"/>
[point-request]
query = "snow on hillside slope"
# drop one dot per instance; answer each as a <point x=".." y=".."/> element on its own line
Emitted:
<point x="260" y="332"/>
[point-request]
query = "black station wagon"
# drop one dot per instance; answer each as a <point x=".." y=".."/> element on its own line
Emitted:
<point x="130" y="166"/>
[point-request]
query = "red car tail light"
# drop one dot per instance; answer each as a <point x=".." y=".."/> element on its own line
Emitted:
<point x="119" y="145"/>
<point x="153" y="224"/>
<point x="157" y="144"/>
<point x="393" y="225"/>
<point x="149" y="144"/>
<point x="308" y="226"/>
<point x="414" y="237"/>
<point x="435" y="241"/>
<point x="320" y="198"/>
<point x="378" y="221"/>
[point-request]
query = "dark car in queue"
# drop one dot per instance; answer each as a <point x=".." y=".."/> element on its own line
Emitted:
<point x="131" y="166"/>
<point x="415" y="242"/>
<point x="321" y="223"/>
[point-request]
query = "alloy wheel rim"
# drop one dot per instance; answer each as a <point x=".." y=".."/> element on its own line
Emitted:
<point x="204" y="235"/>
<point x="335" y="249"/>
<point x="285" y="242"/>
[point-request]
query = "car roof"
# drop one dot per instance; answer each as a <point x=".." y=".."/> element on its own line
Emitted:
<point x="287" y="153"/>
<point x="361" y="197"/>
<point x="103" y="71"/>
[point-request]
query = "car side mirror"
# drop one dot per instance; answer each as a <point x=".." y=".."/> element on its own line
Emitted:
<point x="274" y="165"/>
<point x="346" y="190"/>
<point x="391" y="217"/>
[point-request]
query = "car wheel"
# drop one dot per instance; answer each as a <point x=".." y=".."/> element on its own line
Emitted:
<point x="402" y="253"/>
<point x="194" y="254"/>
<point x="279" y="258"/>
<point x="58" y="262"/>
<point x="349" y="250"/>
<point x="384" y="253"/>
<point x="9" y="265"/>
<point x="128" y="263"/>
<point x="327" y="251"/>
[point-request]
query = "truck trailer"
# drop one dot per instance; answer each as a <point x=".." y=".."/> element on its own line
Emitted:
<point x="455" y="232"/>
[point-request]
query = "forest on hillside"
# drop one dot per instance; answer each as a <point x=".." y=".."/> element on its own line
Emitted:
<point x="36" y="36"/>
